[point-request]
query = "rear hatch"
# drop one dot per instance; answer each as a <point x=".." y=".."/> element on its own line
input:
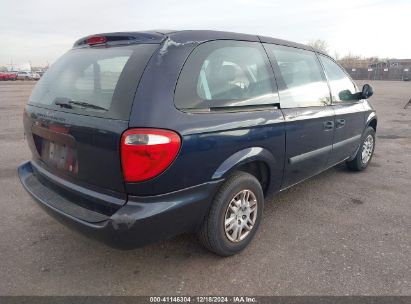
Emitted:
<point x="79" y="109"/>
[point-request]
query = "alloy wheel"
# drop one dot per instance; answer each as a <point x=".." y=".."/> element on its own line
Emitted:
<point x="367" y="149"/>
<point x="240" y="216"/>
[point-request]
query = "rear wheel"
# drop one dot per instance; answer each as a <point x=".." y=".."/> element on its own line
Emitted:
<point x="365" y="152"/>
<point x="234" y="216"/>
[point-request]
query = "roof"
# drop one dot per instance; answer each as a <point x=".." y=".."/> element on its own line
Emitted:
<point x="183" y="36"/>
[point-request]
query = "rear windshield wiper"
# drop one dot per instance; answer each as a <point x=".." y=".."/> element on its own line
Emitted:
<point x="86" y="105"/>
<point x="66" y="103"/>
<point x="63" y="104"/>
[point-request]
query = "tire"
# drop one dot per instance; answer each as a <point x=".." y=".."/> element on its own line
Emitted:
<point x="359" y="163"/>
<point x="213" y="233"/>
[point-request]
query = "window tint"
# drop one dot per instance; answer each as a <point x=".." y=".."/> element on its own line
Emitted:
<point x="106" y="78"/>
<point x="225" y="74"/>
<point x="106" y="72"/>
<point x="301" y="83"/>
<point x="342" y="88"/>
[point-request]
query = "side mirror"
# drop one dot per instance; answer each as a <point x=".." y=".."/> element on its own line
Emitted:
<point x="367" y="91"/>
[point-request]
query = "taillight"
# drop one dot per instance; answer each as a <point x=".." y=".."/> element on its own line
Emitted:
<point x="145" y="153"/>
<point x="96" y="40"/>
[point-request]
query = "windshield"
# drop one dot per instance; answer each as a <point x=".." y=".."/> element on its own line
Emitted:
<point x="94" y="81"/>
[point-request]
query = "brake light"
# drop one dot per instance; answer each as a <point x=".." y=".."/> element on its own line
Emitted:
<point x="145" y="153"/>
<point x="96" y="40"/>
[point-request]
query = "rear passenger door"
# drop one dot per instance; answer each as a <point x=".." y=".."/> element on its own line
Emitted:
<point x="349" y="112"/>
<point x="305" y="103"/>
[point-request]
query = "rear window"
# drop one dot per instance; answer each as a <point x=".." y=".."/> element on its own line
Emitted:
<point x="94" y="81"/>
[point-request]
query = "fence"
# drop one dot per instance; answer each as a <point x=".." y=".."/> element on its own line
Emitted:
<point x="393" y="73"/>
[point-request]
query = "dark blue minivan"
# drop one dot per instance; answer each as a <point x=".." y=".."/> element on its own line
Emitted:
<point x="141" y="136"/>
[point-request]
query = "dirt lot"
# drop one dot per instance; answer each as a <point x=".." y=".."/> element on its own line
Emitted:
<point x="338" y="233"/>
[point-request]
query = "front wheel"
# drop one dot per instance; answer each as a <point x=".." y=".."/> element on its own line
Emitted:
<point x="234" y="215"/>
<point x="365" y="152"/>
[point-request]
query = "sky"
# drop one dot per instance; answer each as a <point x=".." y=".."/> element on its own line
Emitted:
<point x="40" y="31"/>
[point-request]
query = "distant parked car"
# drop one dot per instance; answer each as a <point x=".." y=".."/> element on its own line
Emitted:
<point x="8" y="76"/>
<point x="35" y="76"/>
<point x="3" y="76"/>
<point x="12" y="76"/>
<point x="24" y="75"/>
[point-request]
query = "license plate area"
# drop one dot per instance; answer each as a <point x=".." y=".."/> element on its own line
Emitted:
<point x="60" y="156"/>
<point x="56" y="147"/>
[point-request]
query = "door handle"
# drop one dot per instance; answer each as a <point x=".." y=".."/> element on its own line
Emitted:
<point x="328" y="125"/>
<point x="340" y="123"/>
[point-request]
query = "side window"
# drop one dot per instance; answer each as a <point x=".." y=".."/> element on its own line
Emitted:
<point x="342" y="88"/>
<point x="220" y="74"/>
<point x="301" y="82"/>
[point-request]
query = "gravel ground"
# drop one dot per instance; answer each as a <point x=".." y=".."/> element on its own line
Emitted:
<point x="338" y="233"/>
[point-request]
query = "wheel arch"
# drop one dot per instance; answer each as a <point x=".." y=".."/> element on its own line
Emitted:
<point x="372" y="121"/>
<point x="256" y="161"/>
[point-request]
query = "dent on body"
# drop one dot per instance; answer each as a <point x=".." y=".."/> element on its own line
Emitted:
<point x="169" y="43"/>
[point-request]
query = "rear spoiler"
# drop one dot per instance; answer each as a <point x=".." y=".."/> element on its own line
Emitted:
<point x="120" y="39"/>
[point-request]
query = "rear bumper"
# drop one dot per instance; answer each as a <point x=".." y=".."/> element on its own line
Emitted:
<point x="140" y="221"/>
